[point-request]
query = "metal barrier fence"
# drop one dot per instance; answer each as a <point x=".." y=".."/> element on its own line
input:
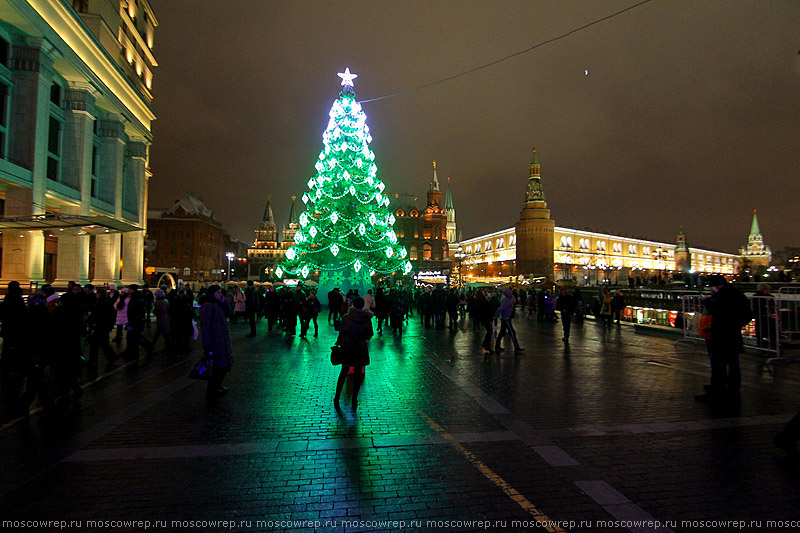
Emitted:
<point x="763" y="333"/>
<point x="789" y="309"/>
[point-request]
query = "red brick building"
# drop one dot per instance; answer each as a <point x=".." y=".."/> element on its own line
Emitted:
<point x="186" y="241"/>
<point x="425" y="233"/>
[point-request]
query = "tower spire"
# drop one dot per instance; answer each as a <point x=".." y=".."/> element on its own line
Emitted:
<point x="292" y="213"/>
<point x="535" y="191"/>
<point x="450" y="211"/>
<point x="268" y="215"/>
<point x="435" y="182"/>
<point x="754" y="226"/>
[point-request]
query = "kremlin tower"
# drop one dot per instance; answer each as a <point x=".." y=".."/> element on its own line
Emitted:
<point x="535" y="230"/>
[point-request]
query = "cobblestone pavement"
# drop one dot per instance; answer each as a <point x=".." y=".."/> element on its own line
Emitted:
<point x="601" y="435"/>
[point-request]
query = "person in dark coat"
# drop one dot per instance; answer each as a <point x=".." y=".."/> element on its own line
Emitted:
<point x="566" y="306"/>
<point x="251" y="306"/>
<point x="161" y="311"/>
<point x="216" y="338"/>
<point x="451" y="302"/>
<point x="484" y="313"/>
<point x="136" y="325"/>
<point x="354" y="332"/>
<point x="15" y="358"/>
<point x="398" y="311"/>
<point x="730" y="312"/>
<point x="309" y="310"/>
<point x="101" y="322"/>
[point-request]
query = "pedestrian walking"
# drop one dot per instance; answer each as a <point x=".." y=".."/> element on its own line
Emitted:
<point x="566" y="306"/>
<point x="484" y="314"/>
<point x="506" y="314"/>
<point x="309" y="311"/>
<point x="121" y="319"/>
<point x="606" y="308"/>
<point x="101" y="322"/>
<point x="161" y="312"/>
<point x="618" y="305"/>
<point x="216" y="338"/>
<point x="251" y="306"/>
<point x="354" y="332"/>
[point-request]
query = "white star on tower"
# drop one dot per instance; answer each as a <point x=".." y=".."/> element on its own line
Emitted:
<point x="347" y="77"/>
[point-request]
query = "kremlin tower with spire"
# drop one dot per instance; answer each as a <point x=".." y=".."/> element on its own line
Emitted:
<point x="534" y="231"/>
<point x="756" y="253"/>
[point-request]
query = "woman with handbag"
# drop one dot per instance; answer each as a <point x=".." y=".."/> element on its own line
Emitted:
<point x="354" y="332"/>
<point x="216" y="338"/>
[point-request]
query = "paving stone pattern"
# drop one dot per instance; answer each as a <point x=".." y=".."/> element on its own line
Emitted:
<point x="599" y="435"/>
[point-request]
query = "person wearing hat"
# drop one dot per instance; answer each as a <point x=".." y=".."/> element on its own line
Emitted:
<point x="216" y="338"/>
<point x="730" y="312"/>
<point x="354" y="332"/>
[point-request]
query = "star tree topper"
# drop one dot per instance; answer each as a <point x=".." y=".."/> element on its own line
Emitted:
<point x="347" y="77"/>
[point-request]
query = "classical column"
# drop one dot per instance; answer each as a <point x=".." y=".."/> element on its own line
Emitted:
<point x="32" y="67"/>
<point x="133" y="257"/>
<point x="73" y="255"/>
<point x="106" y="259"/>
<point x="23" y="251"/>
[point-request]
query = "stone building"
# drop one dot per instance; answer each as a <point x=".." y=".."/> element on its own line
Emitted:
<point x="75" y="134"/>
<point x="427" y="234"/>
<point x="186" y="242"/>
<point x="756" y="255"/>
<point x="534" y="231"/>
<point x="266" y="252"/>
<point x="536" y="248"/>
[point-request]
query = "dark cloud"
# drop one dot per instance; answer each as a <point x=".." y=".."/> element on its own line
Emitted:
<point x="689" y="115"/>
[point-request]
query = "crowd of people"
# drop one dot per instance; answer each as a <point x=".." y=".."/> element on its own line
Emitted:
<point x="52" y="340"/>
<point x="45" y="337"/>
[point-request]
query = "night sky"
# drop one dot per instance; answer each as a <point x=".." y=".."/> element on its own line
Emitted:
<point x="672" y="114"/>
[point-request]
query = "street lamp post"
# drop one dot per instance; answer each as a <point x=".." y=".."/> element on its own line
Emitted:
<point x="229" y="255"/>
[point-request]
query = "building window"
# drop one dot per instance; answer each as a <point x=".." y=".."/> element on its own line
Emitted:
<point x="413" y="253"/>
<point x="646" y="251"/>
<point x="55" y="94"/>
<point x="501" y="242"/>
<point x="95" y="165"/>
<point x="187" y="250"/>
<point x="617" y="247"/>
<point x="566" y="243"/>
<point x="601" y="246"/>
<point x="187" y="272"/>
<point x="5" y="52"/>
<point x="487" y="246"/>
<point x="631" y="249"/>
<point x="173" y="251"/>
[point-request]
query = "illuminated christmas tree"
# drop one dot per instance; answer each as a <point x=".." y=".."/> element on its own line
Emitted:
<point x="346" y="229"/>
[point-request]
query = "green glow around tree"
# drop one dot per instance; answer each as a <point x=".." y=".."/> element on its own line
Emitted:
<point x="346" y="228"/>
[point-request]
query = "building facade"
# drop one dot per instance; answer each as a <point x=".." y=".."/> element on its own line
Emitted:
<point x="75" y="134"/>
<point x="538" y="249"/>
<point x="756" y="255"/>
<point x="427" y="234"/>
<point x="186" y="243"/>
